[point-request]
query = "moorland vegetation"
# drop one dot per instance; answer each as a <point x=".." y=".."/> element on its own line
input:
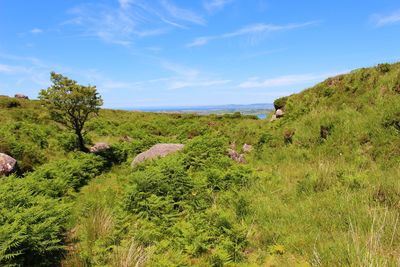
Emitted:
<point x="321" y="185"/>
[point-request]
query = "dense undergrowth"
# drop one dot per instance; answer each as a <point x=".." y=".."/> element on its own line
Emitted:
<point x="321" y="186"/>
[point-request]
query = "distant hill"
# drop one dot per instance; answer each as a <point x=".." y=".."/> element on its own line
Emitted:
<point x="248" y="109"/>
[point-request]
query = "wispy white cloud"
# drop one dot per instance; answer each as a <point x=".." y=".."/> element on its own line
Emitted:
<point x="286" y="80"/>
<point x="179" y="69"/>
<point x="32" y="60"/>
<point x="175" y="24"/>
<point x="128" y="20"/>
<point x="187" y="77"/>
<point x="384" y="20"/>
<point x="179" y="84"/>
<point x="125" y="4"/>
<point x="252" y="30"/>
<point x="110" y="24"/>
<point x="258" y="54"/>
<point x="182" y="14"/>
<point x="12" y="69"/>
<point x="214" y="5"/>
<point x="28" y="73"/>
<point x="36" y="31"/>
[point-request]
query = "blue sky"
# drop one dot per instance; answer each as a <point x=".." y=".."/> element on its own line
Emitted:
<point x="200" y="52"/>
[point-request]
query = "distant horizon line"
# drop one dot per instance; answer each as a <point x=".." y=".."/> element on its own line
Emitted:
<point x="194" y="107"/>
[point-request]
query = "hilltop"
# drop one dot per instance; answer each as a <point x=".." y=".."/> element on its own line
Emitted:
<point x="320" y="186"/>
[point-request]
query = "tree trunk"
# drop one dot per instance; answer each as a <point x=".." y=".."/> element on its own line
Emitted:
<point x="81" y="142"/>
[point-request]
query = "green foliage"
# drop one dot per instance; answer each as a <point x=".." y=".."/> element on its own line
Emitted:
<point x="116" y="154"/>
<point x="326" y="194"/>
<point x="74" y="171"/>
<point x="8" y="102"/>
<point x="25" y="142"/>
<point x="280" y="103"/>
<point x="160" y="190"/>
<point x="13" y="104"/>
<point x="206" y="151"/>
<point x="70" y="103"/>
<point x="32" y="226"/>
<point x="383" y="68"/>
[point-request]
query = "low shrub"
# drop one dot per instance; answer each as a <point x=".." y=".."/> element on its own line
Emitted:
<point x="383" y="68"/>
<point x="116" y="154"/>
<point x="288" y="135"/>
<point x="32" y="226"/>
<point x="280" y="103"/>
<point x="206" y="151"/>
<point x="75" y="171"/>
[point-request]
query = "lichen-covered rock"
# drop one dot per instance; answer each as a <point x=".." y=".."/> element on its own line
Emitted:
<point x="279" y="113"/>
<point x="99" y="147"/>
<point x="247" y="148"/>
<point x="159" y="150"/>
<point x="239" y="158"/>
<point x="22" y="96"/>
<point x="232" y="153"/>
<point x="7" y="164"/>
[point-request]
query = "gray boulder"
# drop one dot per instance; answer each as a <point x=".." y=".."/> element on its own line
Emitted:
<point x="247" y="148"/>
<point x="22" y="96"/>
<point x="99" y="147"/>
<point x="7" y="164"/>
<point x="159" y="150"/>
<point x="239" y="158"/>
<point x="279" y="113"/>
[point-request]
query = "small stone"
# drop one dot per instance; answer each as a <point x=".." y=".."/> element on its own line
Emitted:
<point x="239" y="158"/>
<point x="247" y="148"/>
<point x="99" y="147"/>
<point x="22" y="96"/>
<point x="7" y="164"/>
<point x="279" y="113"/>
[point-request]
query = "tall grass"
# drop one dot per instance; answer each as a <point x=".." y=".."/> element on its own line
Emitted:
<point x="378" y="246"/>
<point x="132" y="255"/>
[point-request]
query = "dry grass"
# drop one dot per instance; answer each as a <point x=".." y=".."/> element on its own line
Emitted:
<point x="376" y="247"/>
<point x="131" y="256"/>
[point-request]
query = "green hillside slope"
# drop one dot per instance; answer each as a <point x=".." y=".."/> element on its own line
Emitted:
<point x="320" y="187"/>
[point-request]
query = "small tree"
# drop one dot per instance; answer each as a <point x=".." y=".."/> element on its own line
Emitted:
<point x="71" y="104"/>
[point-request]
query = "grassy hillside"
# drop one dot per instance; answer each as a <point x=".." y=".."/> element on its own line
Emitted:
<point x="321" y="186"/>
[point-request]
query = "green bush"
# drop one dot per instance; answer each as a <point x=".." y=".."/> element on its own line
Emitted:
<point x="234" y="177"/>
<point x="67" y="141"/>
<point x="280" y="103"/>
<point x="32" y="226"/>
<point x="13" y="103"/>
<point x="8" y="102"/>
<point x="75" y="171"/>
<point x="383" y="68"/>
<point x="162" y="189"/>
<point x="116" y="154"/>
<point x="206" y="151"/>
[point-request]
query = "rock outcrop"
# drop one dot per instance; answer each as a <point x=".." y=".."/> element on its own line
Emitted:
<point x="7" y="164"/>
<point x="22" y="96"/>
<point x="279" y="113"/>
<point x="159" y="150"/>
<point x="239" y="158"/>
<point x="99" y="147"/>
<point x="247" y="148"/>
